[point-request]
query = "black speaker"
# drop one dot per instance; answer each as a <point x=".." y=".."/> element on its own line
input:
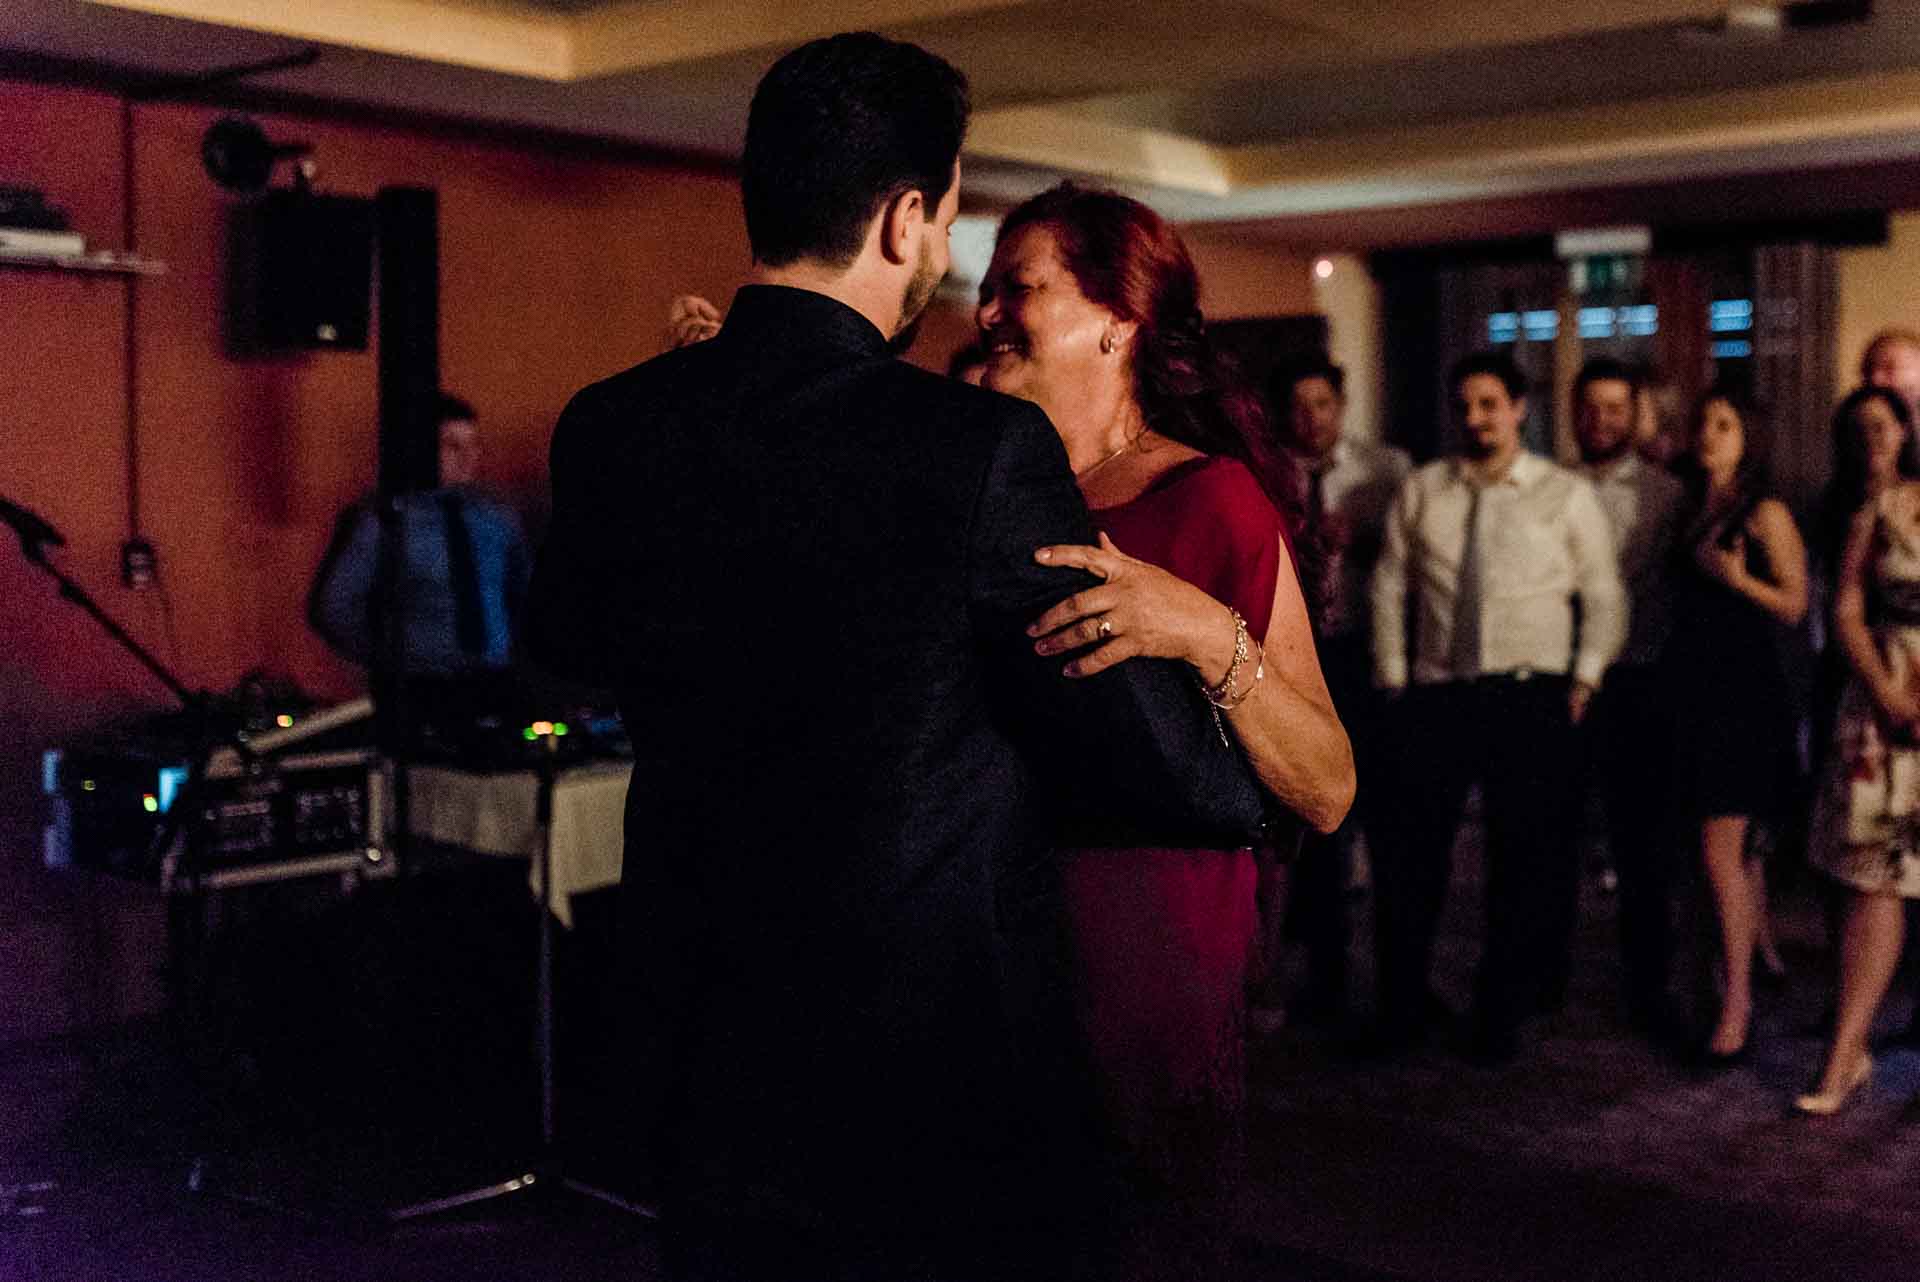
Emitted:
<point x="409" y="223"/>
<point x="302" y="273"/>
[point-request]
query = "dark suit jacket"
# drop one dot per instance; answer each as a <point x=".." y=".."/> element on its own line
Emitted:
<point x="806" y="568"/>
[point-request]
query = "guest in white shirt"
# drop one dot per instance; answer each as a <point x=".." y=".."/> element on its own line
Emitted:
<point x="1631" y="713"/>
<point x="1350" y="484"/>
<point x="1492" y="550"/>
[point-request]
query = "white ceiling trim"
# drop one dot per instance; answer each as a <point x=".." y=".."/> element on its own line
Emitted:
<point x="1859" y="107"/>
<point x="1059" y="140"/>
<point x="617" y="38"/>
<point x="602" y="41"/>
<point x="516" y="42"/>
<point x="1694" y="135"/>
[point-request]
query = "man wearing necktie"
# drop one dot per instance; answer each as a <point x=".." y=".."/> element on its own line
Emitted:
<point x="1351" y="482"/>
<point x="1508" y="565"/>
<point x="462" y="578"/>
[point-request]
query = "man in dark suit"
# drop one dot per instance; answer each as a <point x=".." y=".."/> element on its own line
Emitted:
<point x="807" y="569"/>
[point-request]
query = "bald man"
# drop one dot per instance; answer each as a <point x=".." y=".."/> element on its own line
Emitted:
<point x="1892" y="360"/>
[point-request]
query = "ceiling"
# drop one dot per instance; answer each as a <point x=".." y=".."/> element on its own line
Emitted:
<point x="1251" y="111"/>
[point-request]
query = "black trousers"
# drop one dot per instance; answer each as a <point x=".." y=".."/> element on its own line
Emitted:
<point x="1628" y="733"/>
<point x="1513" y="737"/>
<point x="1316" y="910"/>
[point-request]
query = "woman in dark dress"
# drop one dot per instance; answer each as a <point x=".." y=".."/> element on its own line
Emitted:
<point x="1090" y="309"/>
<point x="1740" y="578"/>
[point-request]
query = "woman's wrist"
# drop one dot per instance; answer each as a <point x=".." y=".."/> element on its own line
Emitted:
<point x="1212" y="656"/>
<point x="1245" y="681"/>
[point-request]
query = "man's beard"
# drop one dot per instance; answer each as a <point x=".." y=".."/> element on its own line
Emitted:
<point x="1613" y="448"/>
<point x="913" y="304"/>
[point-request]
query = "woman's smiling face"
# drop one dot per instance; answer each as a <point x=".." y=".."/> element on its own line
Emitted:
<point x="1042" y="335"/>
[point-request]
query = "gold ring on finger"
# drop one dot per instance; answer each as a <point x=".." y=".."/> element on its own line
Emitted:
<point x="1105" y="629"/>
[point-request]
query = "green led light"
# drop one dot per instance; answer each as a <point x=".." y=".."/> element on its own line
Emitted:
<point x="559" y="727"/>
<point x="529" y="735"/>
<point x="88" y="785"/>
<point x="151" y="803"/>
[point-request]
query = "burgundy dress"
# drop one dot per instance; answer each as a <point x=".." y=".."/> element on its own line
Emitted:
<point x="1164" y="938"/>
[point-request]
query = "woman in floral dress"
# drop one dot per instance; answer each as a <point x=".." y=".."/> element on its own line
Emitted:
<point x="1867" y="829"/>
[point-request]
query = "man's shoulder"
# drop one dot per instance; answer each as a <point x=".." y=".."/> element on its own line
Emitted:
<point x="1659" y="482"/>
<point x="648" y="378"/>
<point x="709" y="367"/>
<point x="1538" y="471"/>
<point x="1376" y="458"/>
<point x="959" y="412"/>
<point x="1431" y="475"/>
<point x="485" y="505"/>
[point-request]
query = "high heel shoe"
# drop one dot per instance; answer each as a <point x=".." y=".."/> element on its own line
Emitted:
<point x="1827" y="1103"/>
<point x="1707" y="1060"/>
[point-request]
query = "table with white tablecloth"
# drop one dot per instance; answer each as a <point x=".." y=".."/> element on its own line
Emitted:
<point x="497" y="813"/>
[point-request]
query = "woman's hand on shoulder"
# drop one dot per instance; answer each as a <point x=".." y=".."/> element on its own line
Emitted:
<point x="691" y="319"/>
<point x="1139" y="609"/>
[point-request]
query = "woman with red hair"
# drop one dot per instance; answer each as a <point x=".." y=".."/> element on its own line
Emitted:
<point x="1091" y="310"/>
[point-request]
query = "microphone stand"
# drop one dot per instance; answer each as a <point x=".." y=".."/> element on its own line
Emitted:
<point x="33" y="545"/>
<point x="185" y="930"/>
<point x="35" y="538"/>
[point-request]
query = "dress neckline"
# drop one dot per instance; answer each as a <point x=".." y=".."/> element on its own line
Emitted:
<point x="1167" y="479"/>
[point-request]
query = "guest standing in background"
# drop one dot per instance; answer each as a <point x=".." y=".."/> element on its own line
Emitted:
<point x="1631" y="710"/>
<point x="1350" y="483"/>
<point x="463" y="576"/>
<point x="1739" y="577"/>
<point x="1867" y="827"/>
<point x="1873" y="450"/>
<point x="1892" y="360"/>
<point x="1493" y="551"/>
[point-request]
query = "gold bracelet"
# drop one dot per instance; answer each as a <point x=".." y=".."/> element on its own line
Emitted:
<point x="1216" y="693"/>
<point x="1239" y="697"/>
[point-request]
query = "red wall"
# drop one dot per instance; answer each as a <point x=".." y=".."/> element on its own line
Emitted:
<point x="556" y="268"/>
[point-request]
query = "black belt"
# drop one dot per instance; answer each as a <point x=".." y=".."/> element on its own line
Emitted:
<point x="1513" y="676"/>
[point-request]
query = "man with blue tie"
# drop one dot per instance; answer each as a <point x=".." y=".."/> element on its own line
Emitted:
<point x="463" y="571"/>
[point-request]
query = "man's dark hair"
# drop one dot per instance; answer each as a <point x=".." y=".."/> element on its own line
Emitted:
<point x="1290" y="374"/>
<point x="454" y="410"/>
<point x="1498" y="364"/>
<point x="1605" y="369"/>
<point x="838" y="128"/>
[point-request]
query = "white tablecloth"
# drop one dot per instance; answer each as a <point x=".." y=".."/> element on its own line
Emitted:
<point x="496" y="814"/>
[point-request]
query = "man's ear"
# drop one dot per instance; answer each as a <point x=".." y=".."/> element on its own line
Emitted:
<point x="901" y="221"/>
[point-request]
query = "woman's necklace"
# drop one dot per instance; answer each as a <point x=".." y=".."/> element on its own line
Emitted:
<point x="1128" y="444"/>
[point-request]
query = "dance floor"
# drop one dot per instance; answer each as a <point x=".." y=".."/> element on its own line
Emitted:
<point x="1589" y="1158"/>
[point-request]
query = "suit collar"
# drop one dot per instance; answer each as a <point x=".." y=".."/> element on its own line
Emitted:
<point x="800" y="322"/>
